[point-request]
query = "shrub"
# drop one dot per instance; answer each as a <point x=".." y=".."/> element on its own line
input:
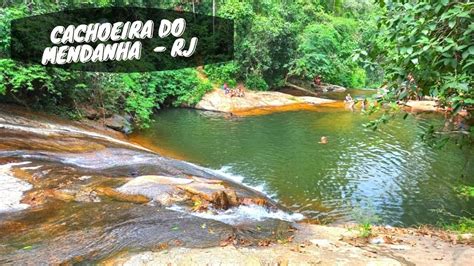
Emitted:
<point x="326" y="49"/>
<point x="192" y="97"/>
<point x="256" y="83"/>
<point x="222" y="73"/>
<point x="358" y="78"/>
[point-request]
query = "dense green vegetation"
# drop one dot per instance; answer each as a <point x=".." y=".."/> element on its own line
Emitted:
<point x="412" y="48"/>
<point x="432" y="41"/>
<point x="418" y="47"/>
<point x="65" y="92"/>
<point x="277" y="40"/>
<point x="274" y="40"/>
<point x="428" y="51"/>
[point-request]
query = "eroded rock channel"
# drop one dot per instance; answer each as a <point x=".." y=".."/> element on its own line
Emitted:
<point x="78" y="194"/>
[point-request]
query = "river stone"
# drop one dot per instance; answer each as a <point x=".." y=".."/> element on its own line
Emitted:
<point x="162" y="189"/>
<point x="467" y="236"/>
<point x="429" y="106"/>
<point x="40" y="197"/>
<point x="87" y="195"/>
<point x="377" y="241"/>
<point x="329" y="88"/>
<point x="168" y="190"/>
<point x="220" y="196"/>
<point x="93" y="113"/>
<point x="118" y="196"/>
<point x="119" y="123"/>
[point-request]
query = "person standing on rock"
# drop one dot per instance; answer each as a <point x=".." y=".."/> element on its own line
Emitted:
<point x="225" y="88"/>
<point x="240" y="91"/>
<point x="317" y="80"/>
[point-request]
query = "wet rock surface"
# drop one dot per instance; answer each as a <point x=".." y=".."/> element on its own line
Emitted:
<point x="91" y="231"/>
<point x="329" y="88"/>
<point x="119" y="123"/>
<point x="88" y="195"/>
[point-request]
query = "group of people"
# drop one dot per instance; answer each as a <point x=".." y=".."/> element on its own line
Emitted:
<point x="237" y="92"/>
<point x="351" y="102"/>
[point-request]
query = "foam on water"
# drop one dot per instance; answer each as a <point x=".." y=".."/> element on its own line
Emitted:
<point x="11" y="189"/>
<point x="226" y="172"/>
<point x="242" y="214"/>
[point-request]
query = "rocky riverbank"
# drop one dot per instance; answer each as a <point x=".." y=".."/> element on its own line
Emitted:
<point x="72" y="193"/>
<point x="322" y="245"/>
<point x="217" y="100"/>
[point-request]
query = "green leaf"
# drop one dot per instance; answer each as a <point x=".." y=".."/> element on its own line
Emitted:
<point x="465" y="54"/>
<point x="403" y="95"/>
<point x="457" y="108"/>
<point x="452" y="23"/>
<point x="469" y="63"/>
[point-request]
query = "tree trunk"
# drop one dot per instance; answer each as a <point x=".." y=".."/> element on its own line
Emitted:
<point x="213" y="8"/>
<point x="301" y="89"/>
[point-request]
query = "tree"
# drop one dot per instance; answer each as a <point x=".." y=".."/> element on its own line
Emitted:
<point x="430" y="52"/>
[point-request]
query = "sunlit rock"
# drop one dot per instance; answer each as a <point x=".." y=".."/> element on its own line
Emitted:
<point x="119" y="123"/>
<point x="220" y="196"/>
<point x="11" y="189"/>
<point x="39" y="197"/>
<point x="217" y="100"/>
<point x="118" y="196"/>
<point x="162" y="189"/>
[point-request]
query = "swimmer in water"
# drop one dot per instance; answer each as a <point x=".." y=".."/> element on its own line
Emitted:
<point x="324" y="140"/>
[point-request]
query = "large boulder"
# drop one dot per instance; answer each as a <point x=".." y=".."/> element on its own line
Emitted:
<point x="427" y="106"/>
<point x="119" y="123"/>
<point x="94" y="113"/>
<point x="200" y="192"/>
<point x="162" y="189"/>
<point x="220" y="196"/>
<point x="329" y="88"/>
<point x="217" y="100"/>
<point x="118" y="196"/>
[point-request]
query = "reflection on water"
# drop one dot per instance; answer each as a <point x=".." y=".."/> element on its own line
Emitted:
<point x="389" y="171"/>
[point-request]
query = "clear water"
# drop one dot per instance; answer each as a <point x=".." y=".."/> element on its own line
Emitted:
<point x="389" y="173"/>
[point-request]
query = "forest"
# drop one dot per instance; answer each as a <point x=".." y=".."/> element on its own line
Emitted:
<point x="341" y="132"/>
<point x="356" y="44"/>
